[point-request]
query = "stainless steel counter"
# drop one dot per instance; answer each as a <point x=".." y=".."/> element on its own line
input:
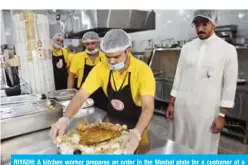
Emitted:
<point x="40" y="143"/>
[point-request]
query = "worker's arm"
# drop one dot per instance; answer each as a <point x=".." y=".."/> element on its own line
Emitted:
<point x="92" y="83"/>
<point x="70" y="81"/>
<point x="147" y="92"/>
<point x="230" y="76"/>
<point x="177" y="79"/>
<point x="146" y="114"/>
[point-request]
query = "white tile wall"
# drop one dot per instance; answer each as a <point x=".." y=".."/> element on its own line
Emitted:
<point x="177" y="24"/>
<point x="3" y="36"/>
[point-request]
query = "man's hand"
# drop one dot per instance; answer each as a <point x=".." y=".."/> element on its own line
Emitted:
<point x="170" y="111"/>
<point x="132" y="141"/>
<point x="218" y="124"/>
<point x="59" y="127"/>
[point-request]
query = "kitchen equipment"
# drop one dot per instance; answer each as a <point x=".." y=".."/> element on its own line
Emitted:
<point x="140" y="57"/>
<point x="88" y="103"/>
<point x="237" y="118"/>
<point x="62" y="95"/>
<point x="21" y="99"/>
<point x="241" y="82"/>
<point x="163" y="87"/>
<point x="181" y="43"/>
<point x="148" y="44"/>
<point x="21" y="118"/>
<point x="39" y="142"/>
<point x="227" y="32"/>
<point x="102" y="21"/>
<point x="168" y="43"/>
<point x="240" y="41"/>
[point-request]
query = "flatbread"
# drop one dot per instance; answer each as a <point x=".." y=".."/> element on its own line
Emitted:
<point x="93" y="139"/>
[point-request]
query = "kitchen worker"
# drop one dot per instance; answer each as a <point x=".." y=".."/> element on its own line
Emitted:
<point x="59" y="59"/>
<point x="129" y="85"/>
<point x="83" y="63"/>
<point x="204" y="87"/>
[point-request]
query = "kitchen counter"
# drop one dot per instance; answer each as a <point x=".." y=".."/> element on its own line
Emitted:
<point x="40" y="143"/>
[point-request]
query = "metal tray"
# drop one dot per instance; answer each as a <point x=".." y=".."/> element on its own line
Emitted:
<point x="50" y="104"/>
<point x="28" y="117"/>
<point x="20" y="99"/>
<point x="61" y="95"/>
<point x="88" y="103"/>
<point x="22" y="109"/>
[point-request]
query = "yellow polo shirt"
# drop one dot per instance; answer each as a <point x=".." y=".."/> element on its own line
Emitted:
<point x="141" y="78"/>
<point x="60" y="52"/>
<point x="69" y="59"/>
<point x="78" y="62"/>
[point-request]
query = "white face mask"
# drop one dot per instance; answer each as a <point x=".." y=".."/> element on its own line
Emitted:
<point x="118" y="66"/>
<point x="93" y="52"/>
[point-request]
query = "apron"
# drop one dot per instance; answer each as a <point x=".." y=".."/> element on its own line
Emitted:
<point x="60" y="74"/>
<point x="99" y="97"/>
<point x="127" y="112"/>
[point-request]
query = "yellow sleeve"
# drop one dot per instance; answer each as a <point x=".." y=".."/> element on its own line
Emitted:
<point x="147" y="82"/>
<point x="103" y="57"/>
<point x="70" y="56"/>
<point x="73" y="66"/>
<point x="94" y="79"/>
<point x="65" y="53"/>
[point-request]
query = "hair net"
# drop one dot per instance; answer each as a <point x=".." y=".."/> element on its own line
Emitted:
<point x="211" y="15"/>
<point x="58" y="36"/>
<point x="115" y="40"/>
<point x="90" y="36"/>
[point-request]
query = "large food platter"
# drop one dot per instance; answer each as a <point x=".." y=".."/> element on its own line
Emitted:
<point x="100" y="138"/>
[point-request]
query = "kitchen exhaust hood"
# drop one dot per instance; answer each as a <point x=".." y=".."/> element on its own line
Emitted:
<point x="101" y="21"/>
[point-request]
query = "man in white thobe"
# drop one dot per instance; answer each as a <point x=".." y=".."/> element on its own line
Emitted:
<point x="204" y="87"/>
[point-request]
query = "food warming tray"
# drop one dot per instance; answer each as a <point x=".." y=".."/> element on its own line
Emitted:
<point x="21" y="118"/>
<point x="61" y="95"/>
<point x="21" y="99"/>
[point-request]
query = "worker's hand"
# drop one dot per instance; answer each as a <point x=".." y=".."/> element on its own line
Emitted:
<point x="60" y="64"/>
<point x="58" y="128"/>
<point x="170" y="111"/>
<point x="218" y="125"/>
<point x="132" y="141"/>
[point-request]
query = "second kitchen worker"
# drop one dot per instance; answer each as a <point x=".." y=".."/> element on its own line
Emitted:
<point x="84" y="62"/>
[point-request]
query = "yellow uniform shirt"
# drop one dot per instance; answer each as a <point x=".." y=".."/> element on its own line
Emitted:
<point x="141" y="78"/>
<point x="60" y="52"/>
<point x="78" y="62"/>
<point x="70" y="58"/>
